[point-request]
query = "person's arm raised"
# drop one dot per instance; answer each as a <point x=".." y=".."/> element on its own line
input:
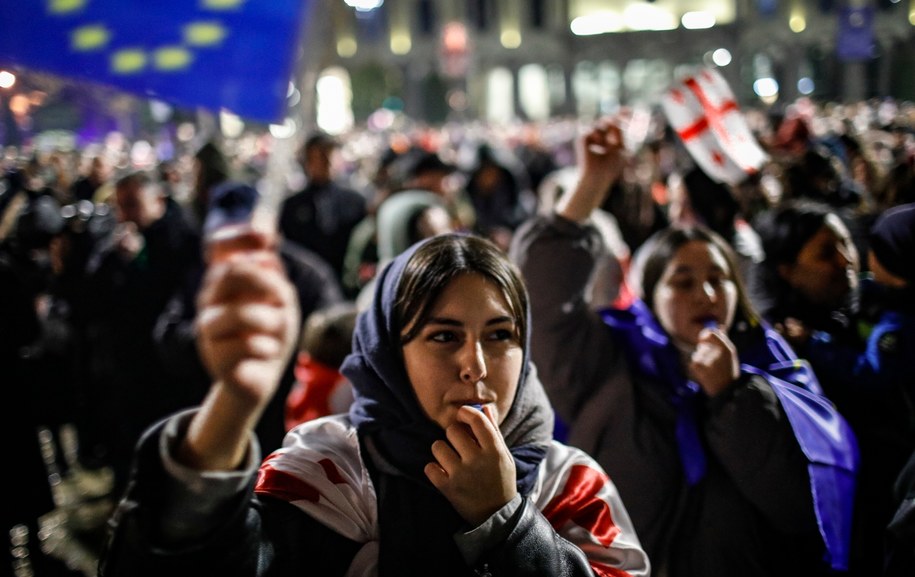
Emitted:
<point x="600" y="161"/>
<point x="247" y="324"/>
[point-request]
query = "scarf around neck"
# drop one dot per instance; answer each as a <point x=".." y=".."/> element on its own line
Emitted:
<point x="386" y="409"/>
<point x="822" y="433"/>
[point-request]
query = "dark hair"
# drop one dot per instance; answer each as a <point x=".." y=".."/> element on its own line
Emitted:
<point x="38" y="223"/>
<point x="139" y="180"/>
<point x="320" y="139"/>
<point x="214" y="167"/>
<point x="442" y="259"/>
<point x="712" y="201"/>
<point x="328" y="333"/>
<point x="785" y="230"/>
<point x="664" y="244"/>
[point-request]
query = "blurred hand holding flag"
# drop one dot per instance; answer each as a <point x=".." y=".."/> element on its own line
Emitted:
<point x="233" y="54"/>
<point x="703" y="112"/>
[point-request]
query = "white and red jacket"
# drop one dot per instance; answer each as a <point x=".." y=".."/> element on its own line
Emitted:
<point x="321" y="471"/>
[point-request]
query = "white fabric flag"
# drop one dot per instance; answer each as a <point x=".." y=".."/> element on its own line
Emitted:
<point x="703" y="112"/>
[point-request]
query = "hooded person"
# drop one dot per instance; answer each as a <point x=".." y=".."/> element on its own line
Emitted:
<point x="402" y="220"/>
<point x="444" y="465"/>
<point x="883" y="373"/>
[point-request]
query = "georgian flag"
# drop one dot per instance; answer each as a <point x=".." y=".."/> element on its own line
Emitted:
<point x="703" y="112"/>
<point x="319" y="470"/>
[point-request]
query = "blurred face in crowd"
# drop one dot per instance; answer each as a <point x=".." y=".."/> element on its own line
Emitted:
<point x="317" y="163"/>
<point x="695" y="289"/>
<point x="680" y="210"/>
<point x="468" y="352"/>
<point x="826" y="268"/>
<point x="99" y="170"/>
<point x="141" y="205"/>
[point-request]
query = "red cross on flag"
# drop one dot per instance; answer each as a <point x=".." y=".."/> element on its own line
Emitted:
<point x="702" y="110"/>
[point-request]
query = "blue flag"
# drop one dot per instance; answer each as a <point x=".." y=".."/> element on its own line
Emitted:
<point x="855" y="37"/>
<point x="233" y="54"/>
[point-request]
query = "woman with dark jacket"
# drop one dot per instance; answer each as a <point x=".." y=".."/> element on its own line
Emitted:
<point x="728" y="458"/>
<point x="443" y="466"/>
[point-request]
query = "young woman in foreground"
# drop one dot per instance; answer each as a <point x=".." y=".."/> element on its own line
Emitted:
<point x="443" y="466"/>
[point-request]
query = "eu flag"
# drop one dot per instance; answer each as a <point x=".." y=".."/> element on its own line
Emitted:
<point x="233" y="54"/>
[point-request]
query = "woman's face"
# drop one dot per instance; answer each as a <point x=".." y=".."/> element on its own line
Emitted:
<point x="468" y="353"/>
<point x="826" y="268"/>
<point x="695" y="290"/>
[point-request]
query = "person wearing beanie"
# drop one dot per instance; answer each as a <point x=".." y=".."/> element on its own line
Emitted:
<point x="848" y="329"/>
<point x="892" y="247"/>
<point x="892" y="345"/>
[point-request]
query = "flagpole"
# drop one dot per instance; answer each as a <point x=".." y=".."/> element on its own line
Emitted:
<point x="273" y="186"/>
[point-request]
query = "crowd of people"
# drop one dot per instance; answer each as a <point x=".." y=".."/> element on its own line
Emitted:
<point x="463" y="350"/>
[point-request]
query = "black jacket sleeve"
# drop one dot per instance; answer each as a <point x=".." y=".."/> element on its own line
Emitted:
<point x="247" y="536"/>
<point x="534" y="548"/>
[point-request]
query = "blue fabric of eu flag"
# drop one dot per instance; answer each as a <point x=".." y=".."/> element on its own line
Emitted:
<point x="233" y="54"/>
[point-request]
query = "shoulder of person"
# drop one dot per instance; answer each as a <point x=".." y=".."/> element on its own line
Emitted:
<point x="320" y="470"/>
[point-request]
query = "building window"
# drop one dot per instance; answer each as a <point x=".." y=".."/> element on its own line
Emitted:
<point x="478" y="13"/>
<point x="538" y="14"/>
<point x="426" y="11"/>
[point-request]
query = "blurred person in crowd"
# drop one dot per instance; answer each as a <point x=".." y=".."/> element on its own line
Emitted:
<point x="28" y="403"/>
<point x="172" y="181"/>
<point x="175" y="332"/>
<point x="320" y="389"/>
<point x="638" y="214"/>
<point x="810" y="168"/>
<point x="534" y="155"/>
<point x="62" y="174"/>
<point x="21" y="186"/>
<point x="404" y="219"/>
<point x="499" y="189"/>
<point x="890" y="349"/>
<point x="413" y="480"/>
<point x="211" y="168"/>
<point x="697" y="199"/>
<point x="89" y="185"/>
<point x="701" y="414"/>
<point x="897" y="186"/>
<point x="129" y="280"/>
<point x="847" y="329"/>
<point x="321" y="217"/>
<point x="422" y="174"/>
<point x="808" y="276"/>
<point x="878" y="392"/>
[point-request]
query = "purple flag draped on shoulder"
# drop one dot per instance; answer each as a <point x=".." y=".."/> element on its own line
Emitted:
<point x="232" y="54"/>
<point x="822" y="433"/>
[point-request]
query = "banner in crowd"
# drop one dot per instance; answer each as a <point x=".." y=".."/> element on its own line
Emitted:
<point x="702" y="110"/>
<point x="233" y="54"/>
<point x="855" y="40"/>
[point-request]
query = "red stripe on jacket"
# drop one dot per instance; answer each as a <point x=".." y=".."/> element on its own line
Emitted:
<point x="579" y="503"/>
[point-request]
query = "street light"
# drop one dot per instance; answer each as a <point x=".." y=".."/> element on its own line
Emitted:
<point x="364" y="5"/>
<point x="7" y="79"/>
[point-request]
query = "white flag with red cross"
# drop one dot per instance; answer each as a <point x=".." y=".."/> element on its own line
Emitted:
<point x="702" y="110"/>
